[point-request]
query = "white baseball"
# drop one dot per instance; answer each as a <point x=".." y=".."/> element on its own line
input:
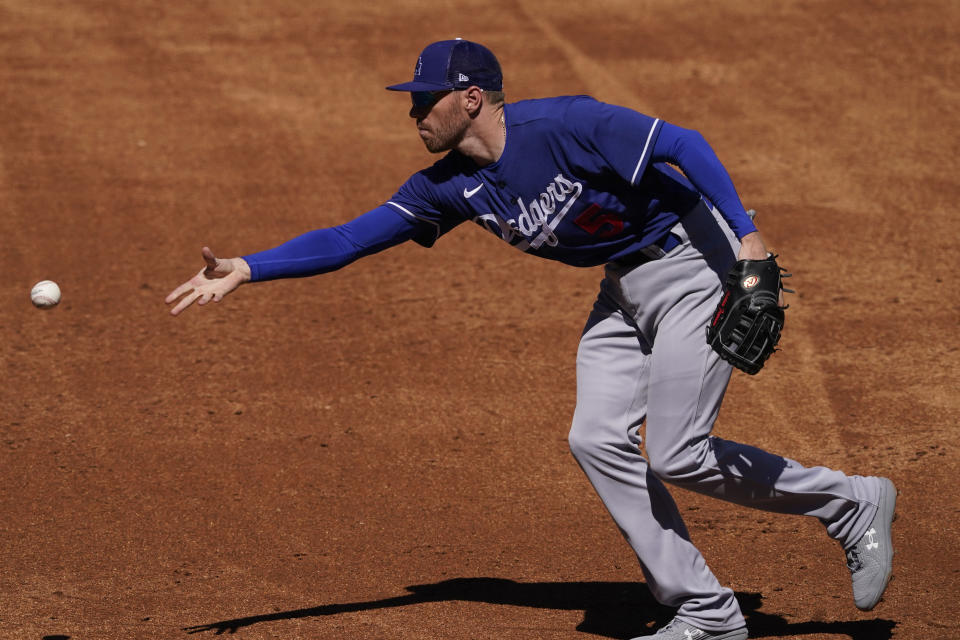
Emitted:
<point x="45" y="294"/>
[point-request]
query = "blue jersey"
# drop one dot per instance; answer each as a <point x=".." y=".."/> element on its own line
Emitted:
<point x="575" y="183"/>
<point x="579" y="181"/>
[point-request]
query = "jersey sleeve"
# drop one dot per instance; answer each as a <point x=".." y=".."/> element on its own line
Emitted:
<point x="420" y="199"/>
<point x="690" y="151"/>
<point x="324" y="250"/>
<point x="624" y="138"/>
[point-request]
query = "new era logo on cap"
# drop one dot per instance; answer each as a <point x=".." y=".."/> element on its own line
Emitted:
<point x="454" y="64"/>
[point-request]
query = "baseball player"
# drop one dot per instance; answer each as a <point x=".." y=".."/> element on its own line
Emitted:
<point x="588" y="184"/>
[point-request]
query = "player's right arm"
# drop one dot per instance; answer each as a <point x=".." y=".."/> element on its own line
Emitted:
<point x="315" y="252"/>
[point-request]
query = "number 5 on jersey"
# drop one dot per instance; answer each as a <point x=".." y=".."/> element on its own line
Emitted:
<point x="594" y="218"/>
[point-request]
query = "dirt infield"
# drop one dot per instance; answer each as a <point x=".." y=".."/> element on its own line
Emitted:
<point x="381" y="452"/>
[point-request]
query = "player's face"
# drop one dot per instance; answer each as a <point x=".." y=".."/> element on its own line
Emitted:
<point x="440" y="121"/>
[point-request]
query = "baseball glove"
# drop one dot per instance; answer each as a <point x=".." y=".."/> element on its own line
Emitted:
<point x="746" y="326"/>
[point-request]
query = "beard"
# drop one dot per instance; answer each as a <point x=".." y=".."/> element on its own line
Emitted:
<point x="445" y="134"/>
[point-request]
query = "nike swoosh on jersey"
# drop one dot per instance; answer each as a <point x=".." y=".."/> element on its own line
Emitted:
<point x="469" y="193"/>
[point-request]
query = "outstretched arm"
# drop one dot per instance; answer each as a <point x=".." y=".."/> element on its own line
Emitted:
<point x="314" y="252"/>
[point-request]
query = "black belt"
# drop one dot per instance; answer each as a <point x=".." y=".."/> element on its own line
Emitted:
<point x="649" y="253"/>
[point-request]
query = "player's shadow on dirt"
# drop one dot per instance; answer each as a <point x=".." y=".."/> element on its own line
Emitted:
<point x="611" y="609"/>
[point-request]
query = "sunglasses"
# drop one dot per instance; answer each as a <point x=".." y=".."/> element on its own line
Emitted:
<point x="425" y="99"/>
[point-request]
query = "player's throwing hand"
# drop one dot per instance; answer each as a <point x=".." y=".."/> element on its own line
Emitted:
<point x="219" y="277"/>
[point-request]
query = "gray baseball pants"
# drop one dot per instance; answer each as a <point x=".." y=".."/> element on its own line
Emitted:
<point x="643" y="356"/>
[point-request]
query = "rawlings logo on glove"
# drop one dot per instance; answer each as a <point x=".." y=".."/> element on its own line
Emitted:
<point x="746" y="327"/>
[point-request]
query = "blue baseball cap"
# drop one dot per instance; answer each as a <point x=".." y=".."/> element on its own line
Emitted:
<point x="454" y="64"/>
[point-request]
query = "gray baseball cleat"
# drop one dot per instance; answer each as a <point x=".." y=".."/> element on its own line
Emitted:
<point x="870" y="560"/>
<point x="677" y="629"/>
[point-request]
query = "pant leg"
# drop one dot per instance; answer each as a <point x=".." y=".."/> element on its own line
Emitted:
<point x="613" y="371"/>
<point x="687" y="381"/>
<point x="644" y="354"/>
